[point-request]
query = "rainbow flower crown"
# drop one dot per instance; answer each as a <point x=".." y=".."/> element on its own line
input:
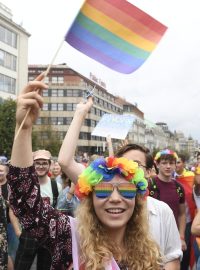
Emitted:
<point x="105" y="169"/>
<point x="166" y="152"/>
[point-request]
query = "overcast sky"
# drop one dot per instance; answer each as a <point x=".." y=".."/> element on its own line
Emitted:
<point x="166" y="87"/>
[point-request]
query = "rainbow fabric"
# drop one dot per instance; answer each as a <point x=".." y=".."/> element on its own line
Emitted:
<point x="115" y="33"/>
<point x="105" y="169"/>
<point x="187" y="181"/>
<point x="166" y="152"/>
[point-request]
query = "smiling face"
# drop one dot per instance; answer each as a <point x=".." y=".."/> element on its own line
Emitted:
<point x="41" y="167"/>
<point x="114" y="211"/>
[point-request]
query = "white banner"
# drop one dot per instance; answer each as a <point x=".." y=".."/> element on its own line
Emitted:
<point x="115" y="125"/>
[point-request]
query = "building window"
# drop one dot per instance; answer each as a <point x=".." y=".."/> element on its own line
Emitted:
<point x="54" y="80"/>
<point x="53" y="120"/>
<point x="60" y="120"/>
<point x="68" y="120"/>
<point x="54" y="93"/>
<point x="1" y="57"/>
<point x="98" y="112"/>
<point x="93" y="110"/>
<point x="7" y="84"/>
<point x="60" y="80"/>
<point x="39" y="121"/>
<point x="54" y="106"/>
<point x="69" y="93"/>
<point x="101" y="102"/>
<point x="85" y="136"/>
<point x="46" y="80"/>
<point x="87" y="122"/>
<point x="69" y="107"/>
<point x="45" y="92"/>
<point x="57" y="80"/>
<point x="60" y="93"/>
<point x="45" y="120"/>
<point x="76" y="93"/>
<point x="60" y="107"/>
<point x="7" y="60"/>
<point x="8" y="37"/>
<point x="93" y="123"/>
<point x="45" y="107"/>
<point x="74" y="106"/>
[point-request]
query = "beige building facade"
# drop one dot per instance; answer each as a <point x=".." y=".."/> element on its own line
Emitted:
<point x="13" y="55"/>
<point x="67" y="88"/>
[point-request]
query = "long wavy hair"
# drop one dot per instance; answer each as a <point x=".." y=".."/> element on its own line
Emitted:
<point x="141" y="252"/>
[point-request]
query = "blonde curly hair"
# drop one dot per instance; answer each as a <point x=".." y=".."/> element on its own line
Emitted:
<point x="141" y="252"/>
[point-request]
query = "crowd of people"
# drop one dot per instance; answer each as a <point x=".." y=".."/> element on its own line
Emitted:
<point x="129" y="210"/>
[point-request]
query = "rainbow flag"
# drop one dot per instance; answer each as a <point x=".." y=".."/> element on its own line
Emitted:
<point x="115" y="33"/>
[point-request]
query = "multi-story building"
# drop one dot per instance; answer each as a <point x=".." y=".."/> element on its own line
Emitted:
<point x="182" y="141"/>
<point x="137" y="132"/>
<point x="13" y="55"/>
<point x="67" y="88"/>
<point x="155" y="136"/>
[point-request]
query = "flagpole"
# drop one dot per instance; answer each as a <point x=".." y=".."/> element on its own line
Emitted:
<point x="45" y="74"/>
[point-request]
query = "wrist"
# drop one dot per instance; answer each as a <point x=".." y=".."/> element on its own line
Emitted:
<point x="182" y="237"/>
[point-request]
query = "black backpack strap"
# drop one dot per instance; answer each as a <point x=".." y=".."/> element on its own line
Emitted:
<point x="153" y="188"/>
<point x="179" y="189"/>
<point x="54" y="187"/>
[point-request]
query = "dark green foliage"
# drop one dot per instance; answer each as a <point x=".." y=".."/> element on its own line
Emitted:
<point x="47" y="138"/>
<point x="51" y="141"/>
<point x="7" y="126"/>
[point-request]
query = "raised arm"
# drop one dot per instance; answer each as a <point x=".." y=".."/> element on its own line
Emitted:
<point x="68" y="148"/>
<point x="110" y="145"/>
<point x="29" y="99"/>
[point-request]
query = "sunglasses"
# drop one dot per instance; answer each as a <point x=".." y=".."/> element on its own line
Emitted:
<point x="104" y="190"/>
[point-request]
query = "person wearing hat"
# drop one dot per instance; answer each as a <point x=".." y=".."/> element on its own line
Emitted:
<point x="49" y="190"/>
<point x="164" y="188"/>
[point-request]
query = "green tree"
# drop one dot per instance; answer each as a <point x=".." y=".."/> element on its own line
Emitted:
<point x="7" y="126"/>
<point x="47" y="138"/>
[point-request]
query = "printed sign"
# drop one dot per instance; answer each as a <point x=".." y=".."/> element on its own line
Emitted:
<point x="115" y="125"/>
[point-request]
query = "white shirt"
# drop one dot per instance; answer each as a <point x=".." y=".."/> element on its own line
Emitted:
<point x="164" y="229"/>
<point x="46" y="190"/>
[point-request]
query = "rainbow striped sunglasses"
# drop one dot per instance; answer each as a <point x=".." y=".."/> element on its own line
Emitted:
<point x="104" y="190"/>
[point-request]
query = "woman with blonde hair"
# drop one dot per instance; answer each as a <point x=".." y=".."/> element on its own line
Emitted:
<point x="110" y="230"/>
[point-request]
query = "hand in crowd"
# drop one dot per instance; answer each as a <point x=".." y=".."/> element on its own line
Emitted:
<point x="84" y="107"/>
<point x="124" y="143"/>
<point x="30" y="100"/>
<point x="72" y="188"/>
<point x="183" y="245"/>
<point x="108" y="139"/>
